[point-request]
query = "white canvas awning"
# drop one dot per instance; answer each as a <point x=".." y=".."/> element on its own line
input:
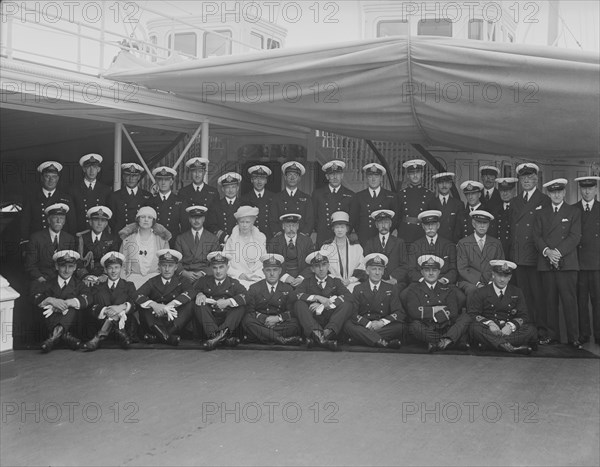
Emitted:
<point x="497" y="98"/>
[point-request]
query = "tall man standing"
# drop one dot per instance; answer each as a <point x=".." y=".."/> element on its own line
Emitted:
<point x="89" y="192"/>
<point x="522" y="249"/>
<point x="197" y="193"/>
<point x="557" y="232"/>
<point x="500" y="228"/>
<point x="588" y="279"/>
<point x="329" y="199"/>
<point x="126" y="202"/>
<point x="365" y="202"/>
<point x="166" y="203"/>
<point x="450" y="207"/>
<point x="220" y="219"/>
<point x="412" y="200"/>
<point x="490" y="198"/>
<point x="291" y="200"/>
<point x="472" y="191"/>
<point x="259" y="197"/>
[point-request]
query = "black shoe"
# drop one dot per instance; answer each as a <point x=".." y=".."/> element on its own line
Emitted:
<point x="431" y="348"/>
<point x="123" y="339"/>
<point x="217" y="339"/>
<point x="382" y="344"/>
<point x="309" y="343"/>
<point x="49" y="343"/>
<point x="394" y="344"/>
<point x="576" y="345"/>
<point x="92" y="344"/>
<point x="294" y="340"/>
<point x="150" y="338"/>
<point x="173" y="340"/>
<point x="548" y="341"/>
<point x="161" y="334"/>
<point x="72" y="342"/>
<point x="522" y="349"/>
<point x="319" y="337"/>
<point x="232" y="342"/>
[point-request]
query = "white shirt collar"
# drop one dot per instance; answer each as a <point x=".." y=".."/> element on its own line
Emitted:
<point x="259" y="193"/>
<point x="291" y="191"/>
<point x="531" y="192"/>
<point x="272" y="286"/>
<point x="65" y="281"/>
<point x="48" y="193"/>
<point x="371" y="285"/>
<point x="230" y="200"/>
<point x="293" y="239"/>
<point x="478" y="238"/>
<point x="164" y="195"/>
<point x="497" y="290"/>
<point x="431" y="238"/>
<point x="489" y="191"/>
<point x="53" y="234"/>
<point x="332" y="189"/>
<point x="430" y="286"/>
<point x="199" y="232"/>
<point x="111" y="283"/>
<point x="164" y="281"/>
<point x="473" y="208"/>
<point x="89" y="182"/>
<point x="591" y="203"/>
<point x="442" y="197"/>
<point x="554" y="206"/>
<point x="376" y="190"/>
<point x="134" y="190"/>
<point x="96" y="236"/>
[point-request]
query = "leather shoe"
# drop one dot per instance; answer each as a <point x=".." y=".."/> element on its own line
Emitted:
<point x="173" y="340"/>
<point x="161" y="334"/>
<point x="394" y="344"/>
<point x="309" y="343"/>
<point x="319" y="337"/>
<point x="577" y="345"/>
<point x="232" y="342"/>
<point x="218" y="338"/>
<point x="548" y="341"/>
<point x="293" y="340"/>
<point x="123" y="339"/>
<point x="522" y="349"/>
<point x="431" y="348"/>
<point x="72" y="342"/>
<point x="382" y="344"/>
<point x="91" y="345"/>
<point x="49" y="343"/>
<point x="149" y="338"/>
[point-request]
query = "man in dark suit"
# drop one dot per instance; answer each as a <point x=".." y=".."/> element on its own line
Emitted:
<point x="500" y="227"/>
<point x="195" y="245"/>
<point x="490" y="198"/>
<point x="292" y="200"/>
<point x="472" y="191"/>
<point x="220" y="219"/>
<point x="365" y="202"/>
<point x="220" y="304"/>
<point x="113" y="301"/>
<point x="322" y="304"/>
<point x="42" y="245"/>
<point x="557" y="232"/>
<point x="167" y="204"/>
<point x="62" y="299"/>
<point x="126" y="202"/>
<point x="89" y="192"/>
<point x="165" y="301"/>
<point x="260" y="197"/>
<point x="412" y="200"/>
<point x="294" y="247"/>
<point x="499" y="314"/>
<point x="329" y="199"/>
<point x="523" y="251"/>
<point x="379" y="318"/>
<point x="94" y="244"/>
<point x="588" y="279"/>
<point x="474" y="253"/>
<point x="35" y="202"/>
<point x="450" y="207"/>
<point x="433" y="309"/>
<point x="394" y="248"/>
<point x="269" y="317"/>
<point x="196" y="193"/>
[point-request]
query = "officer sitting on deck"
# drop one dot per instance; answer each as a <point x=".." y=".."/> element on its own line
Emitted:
<point x="379" y="319"/>
<point x="433" y="309"/>
<point x="323" y="304"/>
<point x="61" y="298"/>
<point x="220" y="304"/>
<point x="113" y="299"/>
<point x="165" y="301"/>
<point x="499" y="313"/>
<point x="268" y="317"/>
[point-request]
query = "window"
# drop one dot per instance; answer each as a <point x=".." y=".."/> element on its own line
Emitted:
<point x="256" y="41"/>
<point x="185" y="42"/>
<point x="435" y="27"/>
<point x="476" y="29"/>
<point x="392" y="28"/>
<point x="273" y="44"/>
<point x="215" y="46"/>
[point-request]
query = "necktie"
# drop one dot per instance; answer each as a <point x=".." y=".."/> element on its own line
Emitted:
<point x="431" y="244"/>
<point x="322" y="284"/>
<point x="113" y="286"/>
<point x="501" y="296"/>
<point x="230" y="203"/>
<point x="506" y="206"/>
<point x="383" y="242"/>
<point x="272" y="290"/>
<point x="219" y="283"/>
<point x="487" y="195"/>
<point x="196" y="239"/>
<point x="259" y="196"/>
<point x="90" y="187"/>
<point x="95" y="240"/>
<point x="587" y="207"/>
<point x="373" y="194"/>
<point x="292" y="193"/>
<point x="374" y="289"/>
<point x="291" y="245"/>
<point x="49" y="195"/>
<point x="164" y="198"/>
<point x="197" y="189"/>
<point x="525" y="197"/>
<point x="555" y="209"/>
<point x="167" y="283"/>
<point x="444" y="201"/>
<point x="63" y="284"/>
<point x="55" y="243"/>
<point x="480" y="242"/>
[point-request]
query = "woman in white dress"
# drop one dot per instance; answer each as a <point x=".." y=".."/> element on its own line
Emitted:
<point x="244" y="248"/>
<point x="141" y="241"/>
<point x="346" y="260"/>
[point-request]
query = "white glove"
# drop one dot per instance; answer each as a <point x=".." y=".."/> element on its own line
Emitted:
<point x="48" y="310"/>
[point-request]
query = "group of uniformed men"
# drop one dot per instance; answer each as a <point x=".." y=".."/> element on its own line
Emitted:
<point x="489" y="273"/>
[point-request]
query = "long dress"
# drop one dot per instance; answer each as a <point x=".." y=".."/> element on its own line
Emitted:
<point x="348" y="264"/>
<point x="141" y="262"/>
<point x="244" y="254"/>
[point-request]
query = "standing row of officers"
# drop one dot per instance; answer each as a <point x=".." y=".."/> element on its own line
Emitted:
<point x="554" y="252"/>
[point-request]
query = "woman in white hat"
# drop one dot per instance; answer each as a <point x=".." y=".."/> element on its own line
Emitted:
<point x="141" y="241"/>
<point x="346" y="260"/>
<point x="244" y="248"/>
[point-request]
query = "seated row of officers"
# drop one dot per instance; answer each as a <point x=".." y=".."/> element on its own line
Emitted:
<point x="553" y="247"/>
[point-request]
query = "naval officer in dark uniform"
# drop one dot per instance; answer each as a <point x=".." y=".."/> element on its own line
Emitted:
<point x="168" y="205"/>
<point x="259" y="197"/>
<point x="472" y="191"/>
<point x="499" y="313"/>
<point x="500" y="227"/>
<point x="35" y="202"/>
<point x="196" y="193"/>
<point x="365" y="202"/>
<point x="126" y="202"/>
<point x="220" y="219"/>
<point x="412" y="200"/>
<point x="450" y="207"/>
<point x="523" y="252"/>
<point x="490" y="197"/>
<point x="331" y="198"/>
<point x="588" y="279"/>
<point x="89" y="192"/>
<point x="292" y="200"/>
